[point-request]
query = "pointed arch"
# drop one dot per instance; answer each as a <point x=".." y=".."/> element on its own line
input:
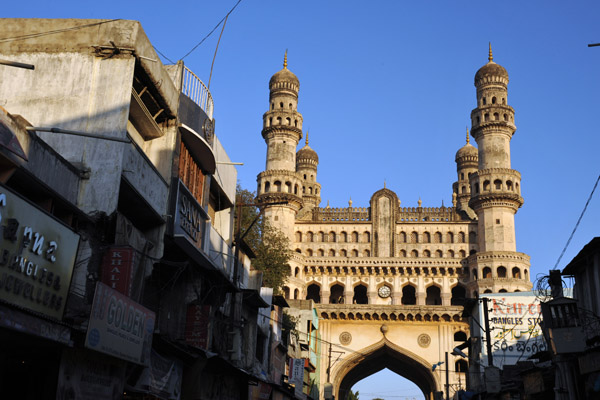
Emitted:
<point x="380" y="355"/>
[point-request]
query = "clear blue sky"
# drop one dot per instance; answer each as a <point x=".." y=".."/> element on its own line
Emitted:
<point x="387" y="90"/>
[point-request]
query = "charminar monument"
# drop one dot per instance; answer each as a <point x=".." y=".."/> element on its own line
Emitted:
<point x="388" y="280"/>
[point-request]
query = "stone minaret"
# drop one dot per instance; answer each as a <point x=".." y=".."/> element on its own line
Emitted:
<point x="495" y="187"/>
<point x="307" y="161"/>
<point x="466" y="164"/>
<point x="282" y="130"/>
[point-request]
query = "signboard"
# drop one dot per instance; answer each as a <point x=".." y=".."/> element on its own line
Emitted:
<point x="515" y="331"/>
<point x="37" y="254"/>
<point x="197" y="326"/>
<point x="85" y="375"/>
<point x="297" y="375"/>
<point x="189" y="217"/>
<point x="117" y="268"/>
<point x="119" y="326"/>
<point x="18" y="321"/>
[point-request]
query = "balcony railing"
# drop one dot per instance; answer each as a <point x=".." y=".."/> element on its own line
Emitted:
<point x="196" y="90"/>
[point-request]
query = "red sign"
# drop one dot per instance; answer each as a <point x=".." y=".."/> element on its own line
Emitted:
<point x="117" y="268"/>
<point x="196" y="326"/>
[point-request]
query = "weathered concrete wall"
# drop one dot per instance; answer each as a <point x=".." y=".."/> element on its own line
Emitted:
<point x="74" y="88"/>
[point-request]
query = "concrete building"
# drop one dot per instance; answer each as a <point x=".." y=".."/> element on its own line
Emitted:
<point x="389" y="280"/>
<point x="114" y="156"/>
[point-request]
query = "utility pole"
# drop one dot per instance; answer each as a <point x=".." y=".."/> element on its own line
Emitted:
<point x="488" y="340"/>
<point x="447" y="378"/>
<point x="329" y="364"/>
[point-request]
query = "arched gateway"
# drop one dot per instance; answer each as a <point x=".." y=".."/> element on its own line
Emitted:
<point x="408" y="340"/>
<point x="389" y="280"/>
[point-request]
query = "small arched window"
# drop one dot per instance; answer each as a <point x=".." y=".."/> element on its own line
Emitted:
<point x="516" y="273"/>
<point x="505" y="117"/>
<point x="486" y="185"/>
<point x="366" y="237"/>
<point x="487" y="273"/>
<point x="439" y="254"/>
<point x="484" y="101"/>
<point x="402" y="253"/>
<point x="298" y="236"/>
<point x="426" y="237"/>
<point x="402" y="238"/>
<point x="437" y="237"/>
<point x="355" y="253"/>
<point x="494" y="100"/>
<point x="332" y="253"/>
<point x="414" y="254"/>
<point x="486" y="117"/>
<point x="355" y="237"/>
<point x="343" y="253"/>
<point x="281" y="105"/>
<point x="414" y="237"/>
<point x="496" y="117"/>
<point x="426" y="253"/>
<point x="501" y="272"/>
<point x="498" y="184"/>
<point x="321" y="253"/>
<point x="450" y="237"/>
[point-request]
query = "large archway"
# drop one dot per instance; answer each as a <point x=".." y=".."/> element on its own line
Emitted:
<point x="379" y="356"/>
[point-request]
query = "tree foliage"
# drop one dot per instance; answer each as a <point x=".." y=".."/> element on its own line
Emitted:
<point x="272" y="257"/>
<point x="353" y="395"/>
<point x="270" y="245"/>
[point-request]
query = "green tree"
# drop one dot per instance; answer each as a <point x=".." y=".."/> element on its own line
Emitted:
<point x="353" y="395"/>
<point x="272" y="257"/>
<point x="269" y="244"/>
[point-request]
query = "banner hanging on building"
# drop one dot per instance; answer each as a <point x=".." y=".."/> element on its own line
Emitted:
<point x="117" y="268"/>
<point x="37" y="255"/>
<point x="119" y="326"/>
<point x="514" y="323"/>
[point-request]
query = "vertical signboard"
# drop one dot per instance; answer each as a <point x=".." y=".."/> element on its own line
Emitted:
<point x="297" y="376"/>
<point x="515" y="330"/>
<point x="37" y="254"/>
<point x="117" y="268"/>
<point x="119" y="326"/>
<point x="197" y="325"/>
<point x="189" y="217"/>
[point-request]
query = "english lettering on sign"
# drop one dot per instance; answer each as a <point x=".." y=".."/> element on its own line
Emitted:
<point x="37" y="255"/>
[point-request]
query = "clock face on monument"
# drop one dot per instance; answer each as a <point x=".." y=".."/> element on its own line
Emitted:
<point x="384" y="292"/>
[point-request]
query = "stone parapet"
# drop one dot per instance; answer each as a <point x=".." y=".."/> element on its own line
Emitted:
<point x="391" y="312"/>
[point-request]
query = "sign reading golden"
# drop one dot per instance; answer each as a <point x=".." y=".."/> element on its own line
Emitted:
<point x="37" y="254"/>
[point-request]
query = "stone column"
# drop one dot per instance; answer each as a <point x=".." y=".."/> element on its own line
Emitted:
<point x="421" y="294"/>
<point x="325" y="296"/>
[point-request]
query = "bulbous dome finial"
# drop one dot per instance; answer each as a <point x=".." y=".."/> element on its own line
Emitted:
<point x="491" y="71"/>
<point x="285" y="79"/>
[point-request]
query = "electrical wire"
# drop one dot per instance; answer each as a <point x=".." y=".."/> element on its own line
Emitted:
<point x="578" y="221"/>
<point x="163" y="56"/>
<point x="211" y="32"/>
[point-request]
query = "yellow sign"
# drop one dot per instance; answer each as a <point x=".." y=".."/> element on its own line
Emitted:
<point x="37" y="254"/>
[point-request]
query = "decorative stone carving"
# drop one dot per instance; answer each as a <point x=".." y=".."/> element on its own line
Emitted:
<point x="424" y="340"/>
<point x="345" y="338"/>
